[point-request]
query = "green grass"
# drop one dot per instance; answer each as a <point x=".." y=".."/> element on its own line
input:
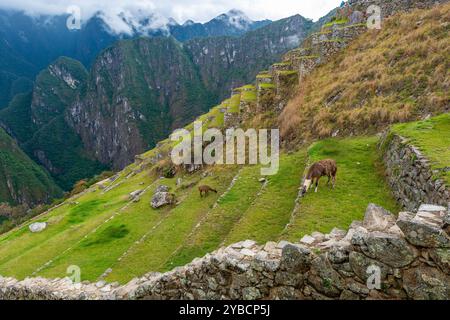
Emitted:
<point x="268" y="216"/>
<point x="98" y="231"/>
<point x="432" y="138"/>
<point x="155" y="252"/>
<point x="264" y="75"/>
<point x="22" y="252"/>
<point x="267" y="86"/>
<point x="234" y="103"/>
<point x="335" y="22"/>
<point x="221" y="219"/>
<point x="360" y="181"/>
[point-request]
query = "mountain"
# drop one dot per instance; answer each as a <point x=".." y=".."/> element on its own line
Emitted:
<point x="21" y="180"/>
<point x="233" y="23"/>
<point x="28" y="44"/>
<point x="37" y="121"/>
<point x="229" y="62"/>
<point x="113" y="233"/>
<point x="137" y="92"/>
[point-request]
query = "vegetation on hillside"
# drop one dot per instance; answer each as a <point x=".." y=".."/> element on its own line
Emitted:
<point x="101" y="228"/>
<point x="395" y="74"/>
<point x="432" y="138"/>
<point x="37" y="121"/>
<point x="21" y="180"/>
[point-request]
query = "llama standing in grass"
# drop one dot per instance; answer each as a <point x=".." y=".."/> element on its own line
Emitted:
<point x="318" y="170"/>
<point x="205" y="190"/>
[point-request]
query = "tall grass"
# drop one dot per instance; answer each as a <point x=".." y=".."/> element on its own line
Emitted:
<point x="396" y="74"/>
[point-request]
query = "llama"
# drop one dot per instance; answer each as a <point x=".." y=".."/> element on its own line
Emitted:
<point x="318" y="170"/>
<point x="204" y="190"/>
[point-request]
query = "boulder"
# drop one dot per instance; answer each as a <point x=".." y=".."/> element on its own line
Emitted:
<point x="337" y="234"/>
<point x="295" y="258"/>
<point x="324" y="278"/>
<point x="424" y="229"/>
<point x="162" y="188"/>
<point x="135" y="195"/>
<point x="432" y="208"/>
<point x="338" y="255"/>
<point x="377" y="218"/>
<point x="38" y="227"/>
<point x="426" y="283"/>
<point x="442" y="258"/>
<point x="388" y="248"/>
<point x="360" y="265"/>
<point x="308" y="240"/>
<point x="161" y="199"/>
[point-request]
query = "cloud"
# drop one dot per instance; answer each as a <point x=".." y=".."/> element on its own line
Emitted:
<point x="181" y="10"/>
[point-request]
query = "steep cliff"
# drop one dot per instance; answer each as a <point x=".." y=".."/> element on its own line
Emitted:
<point x="138" y="91"/>
<point x="37" y="121"/>
<point x="228" y="62"/>
<point x="21" y="180"/>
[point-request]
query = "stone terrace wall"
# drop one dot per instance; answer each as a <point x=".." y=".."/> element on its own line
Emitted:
<point x="410" y="175"/>
<point x="411" y="252"/>
<point x="389" y="7"/>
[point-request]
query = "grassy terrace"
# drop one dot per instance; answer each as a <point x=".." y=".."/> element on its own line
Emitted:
<point x="263" y="75"/>
<point x="432" y="138"/>
<point x="234" y="103"/>
<point x="103" y="230"/>
<point x="335" y="22"/>
<point x="359" y="181"/>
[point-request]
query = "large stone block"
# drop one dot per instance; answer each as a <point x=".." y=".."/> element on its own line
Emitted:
<point x="426" y="283"/>
<point x="424" y="230"/>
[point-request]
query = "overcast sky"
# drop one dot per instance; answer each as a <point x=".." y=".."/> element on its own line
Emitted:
<point x="181" y="10"/>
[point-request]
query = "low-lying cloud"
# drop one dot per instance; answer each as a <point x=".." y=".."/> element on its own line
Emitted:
<point x="115" y="11"/>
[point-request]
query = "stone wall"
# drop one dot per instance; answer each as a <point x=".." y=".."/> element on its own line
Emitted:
<point x="411" y="254"/>
<point x="390" y="7"/>
<point x="410" y="176"/>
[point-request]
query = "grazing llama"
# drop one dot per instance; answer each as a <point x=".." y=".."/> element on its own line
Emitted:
<point x="205" y="190"/>
<point x="318" y="170"/>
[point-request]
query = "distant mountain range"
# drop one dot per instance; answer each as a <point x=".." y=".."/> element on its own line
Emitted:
<point x="82" y="101"/>
<point x="29" y="44"/>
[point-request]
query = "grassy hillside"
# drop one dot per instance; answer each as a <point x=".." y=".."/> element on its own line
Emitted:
<point x="37" y="121"/>
<point x="432" y="139"/>
<point x="21" y="180"/>
<point x="396" y="74"/>
<point x="110" y="236"/>
<point x="102" y="229"/>
<point x="359" y="181"/>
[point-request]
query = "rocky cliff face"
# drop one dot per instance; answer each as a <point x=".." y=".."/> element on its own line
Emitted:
<point x="226" y="63"/>
<point x="21" y="180"/>
<point x="138" y="91"/>
<point x="37" y="121"/>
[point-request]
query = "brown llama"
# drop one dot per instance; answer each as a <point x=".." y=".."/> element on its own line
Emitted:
<point x="205" y="190"/>
<point x="318" y="170"/>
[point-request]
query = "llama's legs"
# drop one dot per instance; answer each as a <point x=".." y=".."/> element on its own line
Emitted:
<point x="317" y="185"/>
<point x="334" y="181"/>
<point x="329" y="179"/>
